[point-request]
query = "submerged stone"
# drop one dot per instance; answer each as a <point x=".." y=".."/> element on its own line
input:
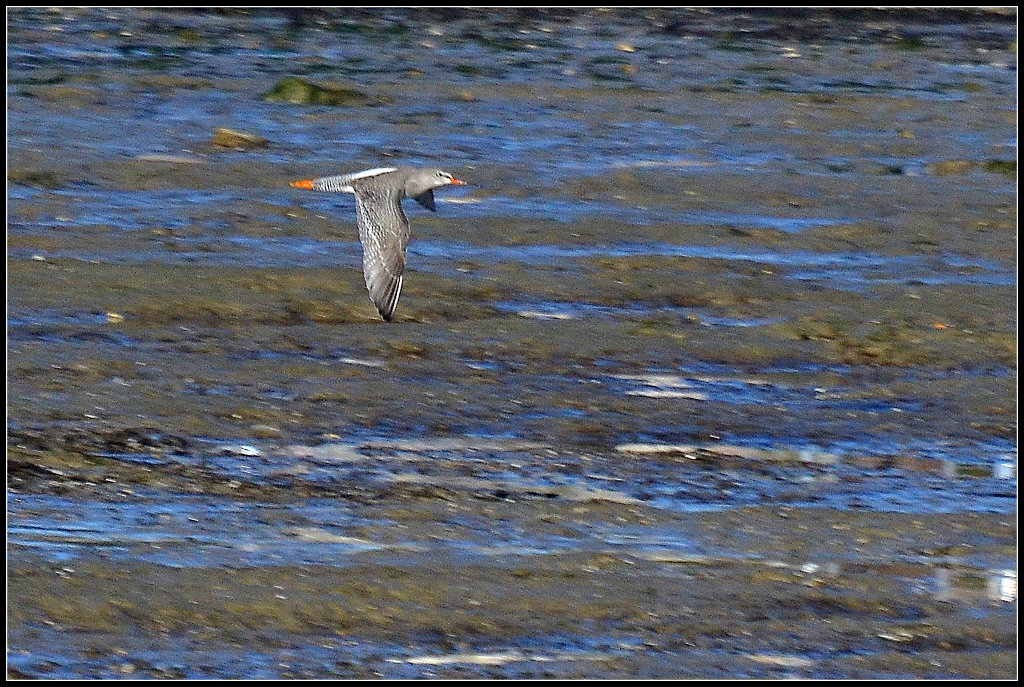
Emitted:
<point x="239" y="140"/>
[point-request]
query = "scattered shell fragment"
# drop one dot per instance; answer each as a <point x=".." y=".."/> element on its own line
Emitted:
<point x="784" y="660"/>
<point x="171" y="159"/>
<point x="727" y="451"/>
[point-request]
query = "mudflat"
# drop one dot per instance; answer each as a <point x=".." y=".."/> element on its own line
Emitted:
<point x="710" y="371"/>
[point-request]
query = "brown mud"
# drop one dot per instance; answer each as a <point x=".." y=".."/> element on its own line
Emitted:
<point x="710" y="372"/>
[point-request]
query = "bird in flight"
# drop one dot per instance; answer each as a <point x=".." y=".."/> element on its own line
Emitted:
<point x="383" y="226"/>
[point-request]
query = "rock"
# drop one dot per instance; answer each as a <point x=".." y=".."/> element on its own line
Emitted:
<point x="229" y="138"/>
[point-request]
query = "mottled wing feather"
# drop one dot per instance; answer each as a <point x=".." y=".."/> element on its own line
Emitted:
<point x="384" y="233"/>
<point x="342" y="183"/>
<point x="339" y="183"/>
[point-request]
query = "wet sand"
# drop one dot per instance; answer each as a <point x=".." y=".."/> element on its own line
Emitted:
<point x="711" y="372"/>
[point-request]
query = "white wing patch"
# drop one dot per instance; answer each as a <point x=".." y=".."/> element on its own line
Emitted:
<point x="370" y="173"/>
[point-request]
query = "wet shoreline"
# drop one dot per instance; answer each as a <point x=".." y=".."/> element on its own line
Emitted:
<point x="710" y="372"/>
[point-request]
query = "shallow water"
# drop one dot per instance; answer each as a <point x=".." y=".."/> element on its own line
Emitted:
<point x="710" y="371"/>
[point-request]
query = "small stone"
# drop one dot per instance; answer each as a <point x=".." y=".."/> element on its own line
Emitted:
<point x="229" y="138"/>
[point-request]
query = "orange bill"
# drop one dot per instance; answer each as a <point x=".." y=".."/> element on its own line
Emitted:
<point x="458" y="182"/>
<point x="306" y="183"/>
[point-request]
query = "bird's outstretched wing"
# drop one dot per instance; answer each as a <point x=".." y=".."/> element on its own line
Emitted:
<point x="341" y="183"/>
<point x="384" y="233"/>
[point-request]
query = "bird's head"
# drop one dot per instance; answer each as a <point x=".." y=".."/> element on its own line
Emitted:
<point x="428" y="179"/>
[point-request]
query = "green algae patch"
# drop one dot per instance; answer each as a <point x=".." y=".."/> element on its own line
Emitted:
<point x="1006" y="167"/>
<point x="953" y="167"/>
<point x="296" y="91"/>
